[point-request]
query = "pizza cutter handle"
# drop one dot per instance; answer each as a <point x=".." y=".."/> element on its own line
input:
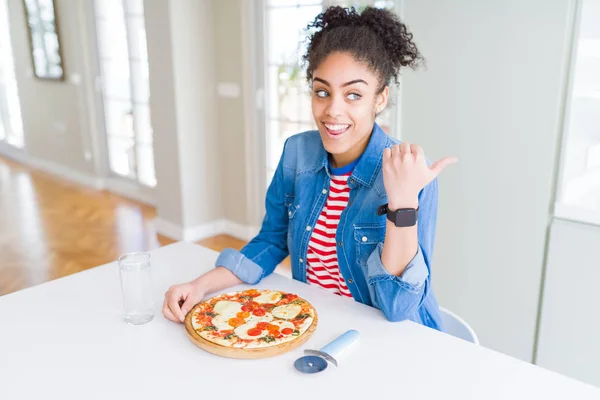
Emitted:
<point x="340" y="344"/>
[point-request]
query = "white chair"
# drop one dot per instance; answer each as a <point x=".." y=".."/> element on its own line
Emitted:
<point x="457" y="327"/>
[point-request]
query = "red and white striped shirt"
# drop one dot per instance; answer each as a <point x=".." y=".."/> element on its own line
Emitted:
<point x="322" y="263"/>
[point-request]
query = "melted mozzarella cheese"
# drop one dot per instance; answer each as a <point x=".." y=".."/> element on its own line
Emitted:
<point x="270" y="297"/>
<point x="288" y="311"/>
<point x="225" y="310"/>
<point x="226" y="307"/>
<point x="221" y="322"/>
<point x="254" y="319"/>
<point x="242" y="331"/>
<point x="283" y="324"/>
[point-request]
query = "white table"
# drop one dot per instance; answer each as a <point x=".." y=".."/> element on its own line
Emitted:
<point x="66" y="340"/>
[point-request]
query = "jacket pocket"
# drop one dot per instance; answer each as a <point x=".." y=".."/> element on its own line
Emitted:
<point x="367" y="237"/>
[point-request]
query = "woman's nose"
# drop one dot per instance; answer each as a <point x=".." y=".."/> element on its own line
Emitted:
<point x="335" y="109"/>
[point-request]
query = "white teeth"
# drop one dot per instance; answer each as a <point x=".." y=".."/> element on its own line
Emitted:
<point x="336" y="127"/>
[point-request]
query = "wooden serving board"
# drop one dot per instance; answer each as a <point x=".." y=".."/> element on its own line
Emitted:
<point x="241" y="353"/>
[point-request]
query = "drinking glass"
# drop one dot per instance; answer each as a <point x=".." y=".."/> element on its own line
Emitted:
<point x="136" y="287"/>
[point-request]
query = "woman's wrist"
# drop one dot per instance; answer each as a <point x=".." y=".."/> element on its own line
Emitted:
<point x="201" y="283"/>
<point x="216" y="279"/>
<point x="403" y="202"/>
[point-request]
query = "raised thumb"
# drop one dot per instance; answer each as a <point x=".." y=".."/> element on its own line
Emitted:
<point x="441" y="164"/>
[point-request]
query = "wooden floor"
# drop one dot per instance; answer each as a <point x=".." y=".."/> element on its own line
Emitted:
<point x="50" y="228"/>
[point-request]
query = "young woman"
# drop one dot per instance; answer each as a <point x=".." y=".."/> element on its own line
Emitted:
<point x="326" y="204"/>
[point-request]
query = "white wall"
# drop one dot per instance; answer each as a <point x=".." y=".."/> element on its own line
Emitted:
<point x="195" y="88"/>
<point x="570" y="322"/>
<point x="492" y="96"/>
<point x="55" y="114"/>
<point x="229" y="62"/>
<point x="162" y="105"/>
<point x="183" y="89"/>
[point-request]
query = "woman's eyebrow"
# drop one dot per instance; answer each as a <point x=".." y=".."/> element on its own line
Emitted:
<point x="323" y="81"/>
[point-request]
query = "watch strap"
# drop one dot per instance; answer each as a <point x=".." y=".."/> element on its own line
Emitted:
<point x="392" y="215"/>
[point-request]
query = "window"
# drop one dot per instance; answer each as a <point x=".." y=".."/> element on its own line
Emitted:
<point x="123" y="59"/>
<point x="579" y="185"/>
<point x="44" y="41"/>
<point x="288" y="104"/>
<point x="11" y="123"/>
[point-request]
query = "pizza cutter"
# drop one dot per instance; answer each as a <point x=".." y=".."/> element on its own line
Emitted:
<point x="317" y="360"/>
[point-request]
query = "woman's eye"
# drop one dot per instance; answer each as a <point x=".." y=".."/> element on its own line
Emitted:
<point x="321" y="93"/>
<point x="354" y="96"/>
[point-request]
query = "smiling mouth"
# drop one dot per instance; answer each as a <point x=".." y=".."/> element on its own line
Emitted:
<point x="336" y="129"/>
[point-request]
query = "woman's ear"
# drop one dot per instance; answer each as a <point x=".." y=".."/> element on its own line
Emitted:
<point x="381" y="100"/>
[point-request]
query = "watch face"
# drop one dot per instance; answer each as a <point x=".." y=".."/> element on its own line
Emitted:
<point x="406" y="217"/>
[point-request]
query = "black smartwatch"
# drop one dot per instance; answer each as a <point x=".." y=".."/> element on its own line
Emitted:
<point x="402" y="217"/>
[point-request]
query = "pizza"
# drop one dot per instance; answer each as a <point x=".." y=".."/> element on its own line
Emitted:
<point x="253" y="318"/>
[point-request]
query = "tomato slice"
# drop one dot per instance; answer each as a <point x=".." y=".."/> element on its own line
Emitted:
<point x="291" y="296"/>
<point x="287" y="331"/>
<point x="235" y="322"/>
<point x="259" y="312"/>
<point x="246" y="308"/>
<point x="273" y="328"/>
<point x="275" y="333"/>
<point x="262" y="325"/>
<point x="243" y="314"/>
<point x="254" y="332"/>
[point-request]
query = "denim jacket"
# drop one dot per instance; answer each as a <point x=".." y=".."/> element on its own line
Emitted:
<point x="294" y="201"/>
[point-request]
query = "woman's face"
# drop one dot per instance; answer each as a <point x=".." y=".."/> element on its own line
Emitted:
<point x="344" y="104"/>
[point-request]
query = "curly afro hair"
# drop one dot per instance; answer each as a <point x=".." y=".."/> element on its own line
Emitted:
<point x="376" y="37"/>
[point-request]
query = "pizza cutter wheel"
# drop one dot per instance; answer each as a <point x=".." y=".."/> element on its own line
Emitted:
<point x="317" y="360"/>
